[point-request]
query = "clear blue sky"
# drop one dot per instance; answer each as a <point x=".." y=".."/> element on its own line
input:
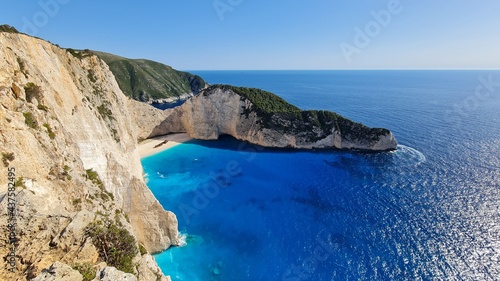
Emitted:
<point x="258" y="34"/>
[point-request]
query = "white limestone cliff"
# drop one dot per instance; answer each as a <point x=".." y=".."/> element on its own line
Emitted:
<point x="63" y="117"/>
<point x="220" y="111"/>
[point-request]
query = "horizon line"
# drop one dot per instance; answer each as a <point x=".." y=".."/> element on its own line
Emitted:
<point x="353" y="69"/>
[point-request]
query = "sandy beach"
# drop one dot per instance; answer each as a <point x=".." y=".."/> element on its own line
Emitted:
<point x="158" y="144"/>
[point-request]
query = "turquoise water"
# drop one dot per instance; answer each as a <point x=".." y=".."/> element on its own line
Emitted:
<point x="428" y="211"/>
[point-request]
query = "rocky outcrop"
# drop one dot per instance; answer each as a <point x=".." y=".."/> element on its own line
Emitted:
<point x="148" y="268"/>
<point x="112" y="274"/>
<point x="147" y="119"/>
<point x="249" y="115"/>
<point x="59" y="271"/>
<point x="65" y="128"/>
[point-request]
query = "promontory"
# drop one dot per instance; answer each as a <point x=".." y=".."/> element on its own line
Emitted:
<point x="262" y="118"/>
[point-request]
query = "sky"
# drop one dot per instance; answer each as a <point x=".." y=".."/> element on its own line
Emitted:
<point x="273" y="35"/>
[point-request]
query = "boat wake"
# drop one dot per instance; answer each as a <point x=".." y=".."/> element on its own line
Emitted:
<point x="361" y="163"/>
<point x="408" y="156"/>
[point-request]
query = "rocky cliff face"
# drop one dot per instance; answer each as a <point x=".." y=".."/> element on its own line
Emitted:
<point x="66" y="129"/>
<point x="226" y="110"/>
<point x="148" y="119"/>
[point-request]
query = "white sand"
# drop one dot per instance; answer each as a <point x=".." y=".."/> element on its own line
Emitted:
<point x="147" y="147"/>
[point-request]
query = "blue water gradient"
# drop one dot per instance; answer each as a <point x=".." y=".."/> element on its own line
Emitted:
<point x="429" y="211"/>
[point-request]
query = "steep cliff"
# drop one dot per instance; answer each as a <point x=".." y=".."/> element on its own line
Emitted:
<point x="263" y="118"/>
<point x="66" y="130"/>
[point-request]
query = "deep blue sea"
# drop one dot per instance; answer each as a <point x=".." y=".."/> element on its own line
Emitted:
<point x="429" y="211"/>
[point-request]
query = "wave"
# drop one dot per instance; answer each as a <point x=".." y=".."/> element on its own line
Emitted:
<point x="183" y="239"/>
<point x="409" y="156"/>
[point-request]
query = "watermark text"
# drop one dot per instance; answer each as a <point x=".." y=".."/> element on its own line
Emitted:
<point x="11" y="219"/>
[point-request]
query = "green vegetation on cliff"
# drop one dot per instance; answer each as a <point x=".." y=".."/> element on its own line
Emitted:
<point x="265" y="102"/>
<point x="7" y="157"/>
<point x="86" y="270"/>
<point x="33" y="91"/>
<point x="144" y="80"/>
<point x="30" y="120"/>
<point x="116" y="246"/>
<point x="8" y="28"/>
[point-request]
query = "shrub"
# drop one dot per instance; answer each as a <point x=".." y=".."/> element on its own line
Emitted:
<point x="51" y="133"/>
<point x="77" y="202"/>
<point x="8" y="28"/>
<point x="105" y="196"/>
<point x="117" y="217"/>
<point x="86" y="269"/>
<point x="30" y="120"/>
<point x="66" y="169"/>
<point x="94" y="178"/>
<point x="105" y="112"/>
<point x="116" y="246"/>
<point x="80" y="54"/>
<point x="7" y="157"/>
<point x="65" y="173"/>
<point x="42" y="107"/>
<point x="91" y="76"/>
<point x="114" y="132"/>
<point x="20" y="183"/>
<point x="142" y="250"/>
<point x="33" y="91"/>
<point x="22" y="67"/>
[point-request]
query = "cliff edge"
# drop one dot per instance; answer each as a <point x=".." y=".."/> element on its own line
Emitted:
<point x="66" y="130"/>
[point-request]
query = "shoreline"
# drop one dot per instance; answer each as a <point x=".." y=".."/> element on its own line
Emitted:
<point x="156" y="145"/>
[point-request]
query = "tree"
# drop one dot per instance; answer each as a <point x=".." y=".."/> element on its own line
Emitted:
<point x="116" y="246"/>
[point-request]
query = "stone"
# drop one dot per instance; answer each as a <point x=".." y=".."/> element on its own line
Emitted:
<point x="148" y="269"/>
<point x="113" y="274"/>
<point x="59" y="272"/>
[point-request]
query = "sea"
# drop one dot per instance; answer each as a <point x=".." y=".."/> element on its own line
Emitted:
<point x="428" y="211"/>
